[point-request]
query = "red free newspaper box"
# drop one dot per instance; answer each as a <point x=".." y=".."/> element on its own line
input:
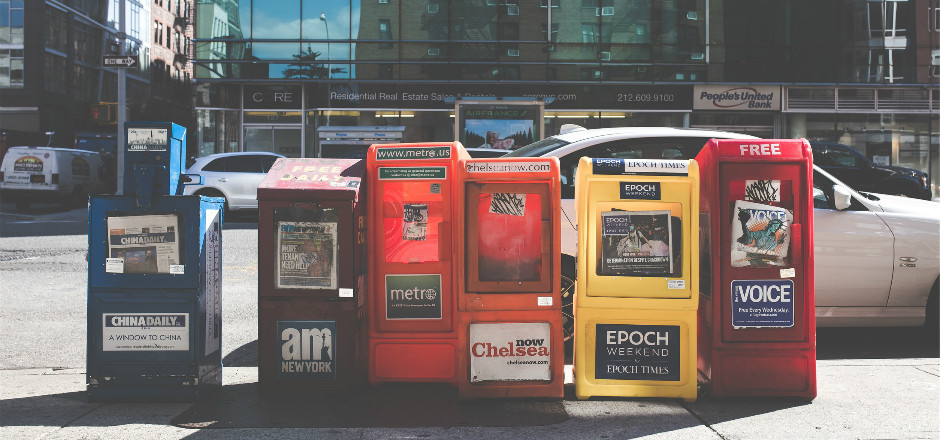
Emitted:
<point x="511" y="342"/>
<point x="757" y="314"/>
<point x="311" y="275"/>
<point x="413" y="309"/>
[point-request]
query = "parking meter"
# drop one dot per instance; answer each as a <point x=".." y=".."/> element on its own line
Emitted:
<point x="311" y="275"/>
<point x="637" y="286"/>
<point x="153" y="152"/>
<point x="412" y="303"/>
<point x="757" y="210"/>
<point x="154" y="293"/>
<point x="509" y="305"/>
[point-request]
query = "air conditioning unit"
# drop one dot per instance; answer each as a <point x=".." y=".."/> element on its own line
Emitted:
<point x="691" y="15"/>
<point x="383" y="2"/>
<point x="604" y="56"/>
<point x="433" y="8"/>
<point x="512" y="52"/>
<point x="697" y="56"/>
<point x="607" y="10"/>
<point x="434" y="51"/>
<point x="512" y="9"/>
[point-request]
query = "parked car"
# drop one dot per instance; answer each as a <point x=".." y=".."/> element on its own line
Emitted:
<point x="234" y="176"/>
<point x="877" y="258"/>
<point x="854" y="169"/>
<point x="47" y="174"/>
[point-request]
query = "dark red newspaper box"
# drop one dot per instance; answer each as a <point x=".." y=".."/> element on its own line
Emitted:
<point x="757" y="277"/>
<point x="511" y="342"/>
<point x="311" y="275"/>
<point x="413" y="329"/>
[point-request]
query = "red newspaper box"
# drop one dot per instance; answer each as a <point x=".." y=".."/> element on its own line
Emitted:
<point x="413" y="328"/>
<point x="311" y="275"/>
<point x="758" y="303"/>
<point x="509" y="265"/>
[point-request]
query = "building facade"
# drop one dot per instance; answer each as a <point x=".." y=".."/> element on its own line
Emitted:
<point x="863" y="73"/>
<point x="52" y="76"/>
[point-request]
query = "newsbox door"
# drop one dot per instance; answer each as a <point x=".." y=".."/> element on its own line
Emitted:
<point x="762" y="262"/>
<point x="643" y="242"/>
<point x="306" y="249"/>
<point x="414" y="249"/>
<point x="509" y="238"/>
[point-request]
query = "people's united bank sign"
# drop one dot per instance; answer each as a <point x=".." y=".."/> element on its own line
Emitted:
<point x="736" y="97"/>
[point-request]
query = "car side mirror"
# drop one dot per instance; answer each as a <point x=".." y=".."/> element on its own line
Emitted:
<point x="191" y="179"/>
<point x="841" y="197"/>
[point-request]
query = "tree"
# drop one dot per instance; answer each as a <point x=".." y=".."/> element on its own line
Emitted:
<point x="307" y="66"/>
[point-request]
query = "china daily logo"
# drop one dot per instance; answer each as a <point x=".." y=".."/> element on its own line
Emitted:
<point x="306" y="350"/>
<point x="413" y="296"/>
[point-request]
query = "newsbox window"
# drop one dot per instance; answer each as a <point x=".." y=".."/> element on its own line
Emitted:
<point x="761" y="219"/>
<point x="413" y="212"/>
<point x="144" y="244"/>
<point x="509" y="236"/>
<point x="305" y="247"/>
<point x="643" y="242"/>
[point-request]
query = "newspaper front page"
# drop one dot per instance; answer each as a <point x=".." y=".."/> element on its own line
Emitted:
<point x="143" y="244"/>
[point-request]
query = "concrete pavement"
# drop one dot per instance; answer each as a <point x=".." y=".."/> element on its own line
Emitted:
<point x="858" y="398"/>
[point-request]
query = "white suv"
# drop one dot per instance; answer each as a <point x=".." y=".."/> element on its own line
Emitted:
<point x="234" y="176"/>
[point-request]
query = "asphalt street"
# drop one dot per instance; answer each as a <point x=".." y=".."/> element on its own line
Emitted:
<point x="873" y="383"/>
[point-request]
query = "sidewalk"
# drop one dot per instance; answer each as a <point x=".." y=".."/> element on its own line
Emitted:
<point x="858" y="398"/>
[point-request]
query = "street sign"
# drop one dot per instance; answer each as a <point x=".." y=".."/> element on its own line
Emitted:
<point x="118" y="61"/>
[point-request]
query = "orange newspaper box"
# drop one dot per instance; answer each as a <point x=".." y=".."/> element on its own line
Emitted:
<point x="413" y="327"/>
<point x="757" y="315"/>
<point x="509" y="264"/>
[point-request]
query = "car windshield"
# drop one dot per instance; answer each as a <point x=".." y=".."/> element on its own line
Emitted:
<point x="538" y="148"/>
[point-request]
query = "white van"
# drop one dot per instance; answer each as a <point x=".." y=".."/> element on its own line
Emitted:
<point x="45" y="174"/>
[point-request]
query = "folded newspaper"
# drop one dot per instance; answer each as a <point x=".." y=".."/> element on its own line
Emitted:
<point x="760" y="235"/>
<point x="143" y="244"/>
<point x="636" y="243"/>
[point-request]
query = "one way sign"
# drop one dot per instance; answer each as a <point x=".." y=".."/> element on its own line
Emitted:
<point x="119" y="61"/>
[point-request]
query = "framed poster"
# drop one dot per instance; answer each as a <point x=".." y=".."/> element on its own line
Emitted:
<point x="500" y="125"/>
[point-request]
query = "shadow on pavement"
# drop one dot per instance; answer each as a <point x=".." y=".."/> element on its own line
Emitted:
<point x="389" y="405"/>
<point x="244" y="356"/>
<point x="875" y="343"/>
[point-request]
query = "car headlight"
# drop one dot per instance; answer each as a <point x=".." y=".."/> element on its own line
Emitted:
<point x="923" y="180"/>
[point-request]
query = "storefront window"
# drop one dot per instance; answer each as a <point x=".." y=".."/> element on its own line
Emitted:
<point x="885" y="139"/>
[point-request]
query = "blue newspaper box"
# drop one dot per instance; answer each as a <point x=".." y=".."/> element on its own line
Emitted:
<point x="154" y="298"/>
<point x="154" y="151"/>
<point x="154" y="288"/>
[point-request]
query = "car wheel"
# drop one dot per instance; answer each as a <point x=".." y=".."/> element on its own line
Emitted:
<point x="932" y="322"/>
<point x="568" y="283"/>
<point x="76" y="199"/>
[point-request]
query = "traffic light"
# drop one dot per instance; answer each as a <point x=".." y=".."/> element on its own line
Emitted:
<point x="104" y="112"/>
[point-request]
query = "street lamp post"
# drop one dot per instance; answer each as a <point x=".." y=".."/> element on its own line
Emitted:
<point x="329" y="70"/>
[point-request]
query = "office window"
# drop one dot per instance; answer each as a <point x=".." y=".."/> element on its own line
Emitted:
<point x="385" y="33"/>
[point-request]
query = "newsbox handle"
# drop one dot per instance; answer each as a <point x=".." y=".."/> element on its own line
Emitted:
<point x="443" y="241"/>
<point x="796" y="243"/>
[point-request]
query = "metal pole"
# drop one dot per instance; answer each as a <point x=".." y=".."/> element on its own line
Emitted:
<point x="121" y="99"/>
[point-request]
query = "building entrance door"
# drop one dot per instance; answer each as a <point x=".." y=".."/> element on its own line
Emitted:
<point x="281" y="139"/>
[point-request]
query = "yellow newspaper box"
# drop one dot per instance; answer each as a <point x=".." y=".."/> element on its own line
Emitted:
<point x="637" y="290"/>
